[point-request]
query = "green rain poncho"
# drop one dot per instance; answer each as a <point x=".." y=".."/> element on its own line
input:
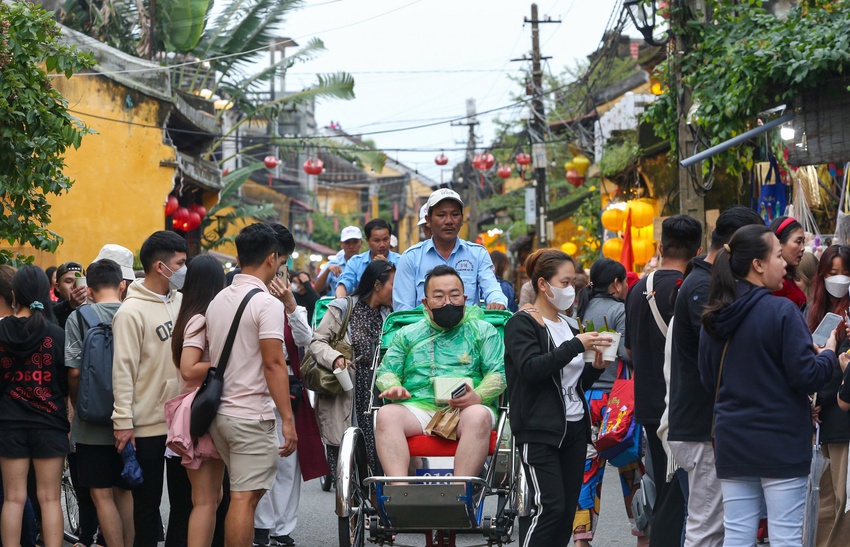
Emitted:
<point x="418" y="352"/>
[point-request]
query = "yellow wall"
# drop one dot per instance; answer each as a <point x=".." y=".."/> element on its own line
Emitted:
<point x="120" y="186"/>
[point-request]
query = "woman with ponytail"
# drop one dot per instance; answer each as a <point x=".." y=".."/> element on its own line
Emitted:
<point x="602" y="302"/>
<point x="792" y="238"/>
<point x="756" y="355"/>
<point x="33" y="418"/>
<point x="547" y="376"/>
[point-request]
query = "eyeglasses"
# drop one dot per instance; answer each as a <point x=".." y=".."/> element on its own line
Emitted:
<point x="440" y="300"/>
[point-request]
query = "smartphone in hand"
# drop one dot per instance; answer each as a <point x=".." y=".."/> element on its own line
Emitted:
<point x="459" y="391"/>
<point x="829" y="323"/>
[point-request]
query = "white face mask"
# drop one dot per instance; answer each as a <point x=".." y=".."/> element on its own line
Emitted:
<point x="563" y="296"/>
<point x="177" y="277"/>
<point x="837" y="285"/>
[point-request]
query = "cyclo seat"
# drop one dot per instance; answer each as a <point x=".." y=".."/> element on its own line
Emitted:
<point x="435" y="447"/>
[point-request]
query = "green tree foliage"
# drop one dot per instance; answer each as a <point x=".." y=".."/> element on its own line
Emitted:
<point x="323" y="228"/>
<point x="35" y="126"/>
<point x="745" y="60"/>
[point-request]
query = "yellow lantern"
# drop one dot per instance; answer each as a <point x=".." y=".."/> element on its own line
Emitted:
<point x="613" y="248"/>
<point x="643" y="250"/>
<point x="642" y="213"/>
<point x="569" y="166"/>
<point x="569" y="247"/>
<point x="581" y="163"/>
<point x="613" y="218"/>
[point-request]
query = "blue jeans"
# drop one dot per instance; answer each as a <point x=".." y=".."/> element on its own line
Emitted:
<point x="742" y="507"/>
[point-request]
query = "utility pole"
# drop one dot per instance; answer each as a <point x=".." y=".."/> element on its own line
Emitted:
<point x="469" y="175"/>
<point x="537" y="125"/>
<point x="691" y="202"/>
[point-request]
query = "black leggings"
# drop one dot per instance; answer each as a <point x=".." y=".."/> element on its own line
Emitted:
<point x="554" y="478"/>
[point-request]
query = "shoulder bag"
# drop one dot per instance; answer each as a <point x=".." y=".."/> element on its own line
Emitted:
<point x="319" y="379"/>
<point x="208" y="397"/>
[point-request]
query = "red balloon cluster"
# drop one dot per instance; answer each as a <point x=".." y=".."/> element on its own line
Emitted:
<point x="484" y="161"/>
<point x="314" y="166"/>
<point x="441" y="159"/>
<point x="523" y="159"/>
<point x="188" y="219"/>
<point x="504" y="171"/>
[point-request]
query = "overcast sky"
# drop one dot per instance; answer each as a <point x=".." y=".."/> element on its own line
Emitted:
<point x="418" y="61"/>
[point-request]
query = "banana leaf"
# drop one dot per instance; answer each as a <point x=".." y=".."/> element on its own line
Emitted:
<point x="182" y="23"/>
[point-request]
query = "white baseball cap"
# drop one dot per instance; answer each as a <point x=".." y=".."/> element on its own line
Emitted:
<point x="442" y="194"/>
<point x="393" y="241"/>
<point x="121" y="256"/>
<point x="350" y="232"/>
<point x="422" y="212"/>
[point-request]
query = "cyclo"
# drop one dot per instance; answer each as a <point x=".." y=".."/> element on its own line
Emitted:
<point x="379" y="507"/>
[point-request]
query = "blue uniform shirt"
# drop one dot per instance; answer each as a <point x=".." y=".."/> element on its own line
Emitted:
<point x="470" y="260"/>
<point x="356" y="266"/>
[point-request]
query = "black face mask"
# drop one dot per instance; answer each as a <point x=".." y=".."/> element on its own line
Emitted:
<point x="448" y="316"/>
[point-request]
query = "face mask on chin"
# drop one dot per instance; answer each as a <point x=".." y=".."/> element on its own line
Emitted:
<point x="449" y="316"/>
<point x="837" y="285"/>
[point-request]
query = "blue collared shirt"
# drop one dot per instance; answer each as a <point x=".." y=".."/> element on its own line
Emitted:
<point x="356" y="266"/>
<point x="332" y="280"/>
<point x="470" y="260"/>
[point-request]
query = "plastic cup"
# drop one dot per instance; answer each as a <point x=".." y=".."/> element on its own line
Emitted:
<point x="609" y="354"/>
<point x="80" y="282"/>
<point x="590" y="355"/>
<point x="344" y="378"/>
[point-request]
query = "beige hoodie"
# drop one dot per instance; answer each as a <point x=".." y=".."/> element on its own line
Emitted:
<point x="143" y="374"/>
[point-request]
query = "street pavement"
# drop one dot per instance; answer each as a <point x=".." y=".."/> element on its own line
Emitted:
<point x="317" y="522"/>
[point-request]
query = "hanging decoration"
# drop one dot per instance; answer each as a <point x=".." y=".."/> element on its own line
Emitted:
<point x="643" y="213"/>
<point x="613" y="248"/>
<point x="314" y="166"/>
<point x="171" y="205"/>
<point x="574" y="178"/>
<point x="193" y="221"/>
<point x="614" y="216"/>
<point x="200" y="209"/>
<point x="504" y="171"/>
<point x="581" y="163"/>
<point x="569" y="247"/>
<point x="270" y="161"/>
<point x="484" y="162"/>
<point x="523" y="159"/>
<point x="180" y="219"/>
<point x="442" y="159"/>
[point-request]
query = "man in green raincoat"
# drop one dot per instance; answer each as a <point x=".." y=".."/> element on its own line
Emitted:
<point x="451" y="341"/>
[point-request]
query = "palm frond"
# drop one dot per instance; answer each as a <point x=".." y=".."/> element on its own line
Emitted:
<point x="182" y="22"/>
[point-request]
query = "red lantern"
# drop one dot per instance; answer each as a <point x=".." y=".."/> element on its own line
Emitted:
<point x="314" y="166"/>
<point x="504" y="171"/>
<point x="523" y="159"/>
<point x="171" y="205"/>
<point x="270" y="162"/>
<point x="441" y="159"/>
<point x="197" y="208"/>
<point x="180" y="219"/>
<point x="484" y="161"/>
<point x="574" y="178"/>
<point x="193" y="221"/>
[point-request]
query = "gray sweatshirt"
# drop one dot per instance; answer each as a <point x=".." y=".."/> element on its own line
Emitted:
<point x="598" y="310"/>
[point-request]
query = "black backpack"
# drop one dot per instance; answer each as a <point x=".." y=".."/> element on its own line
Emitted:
<point x="94" y="395"/>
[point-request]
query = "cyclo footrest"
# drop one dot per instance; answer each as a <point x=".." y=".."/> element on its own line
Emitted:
<point x="414" y="505"/>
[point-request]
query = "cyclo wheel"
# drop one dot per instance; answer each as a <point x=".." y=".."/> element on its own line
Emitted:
<point x="352" y="529"/>
<point x="70" y="509"/>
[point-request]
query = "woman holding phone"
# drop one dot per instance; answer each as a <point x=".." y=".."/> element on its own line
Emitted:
<point x="762" y="436"/>
<point x="829" y="294"/>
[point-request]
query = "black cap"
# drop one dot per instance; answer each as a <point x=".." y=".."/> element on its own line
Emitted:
<point x="68" y="267"/>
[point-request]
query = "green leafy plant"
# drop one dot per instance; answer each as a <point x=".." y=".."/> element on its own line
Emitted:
<point x="591" y="327"/>
<point x="35" y="126"/>
<point x="745" y="60"/>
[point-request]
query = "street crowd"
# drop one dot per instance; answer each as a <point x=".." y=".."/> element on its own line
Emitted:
<point x="101" y="366"/>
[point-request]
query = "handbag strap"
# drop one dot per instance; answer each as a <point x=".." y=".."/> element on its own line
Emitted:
<point x="344" y="326"/>
<point x="717" y="387"/>
<point x="653" y="306"/>
<point x="231" y="335"/>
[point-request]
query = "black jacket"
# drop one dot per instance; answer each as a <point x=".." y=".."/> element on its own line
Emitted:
<point x="835" y="423"/>
<point x="532" y="367"/>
